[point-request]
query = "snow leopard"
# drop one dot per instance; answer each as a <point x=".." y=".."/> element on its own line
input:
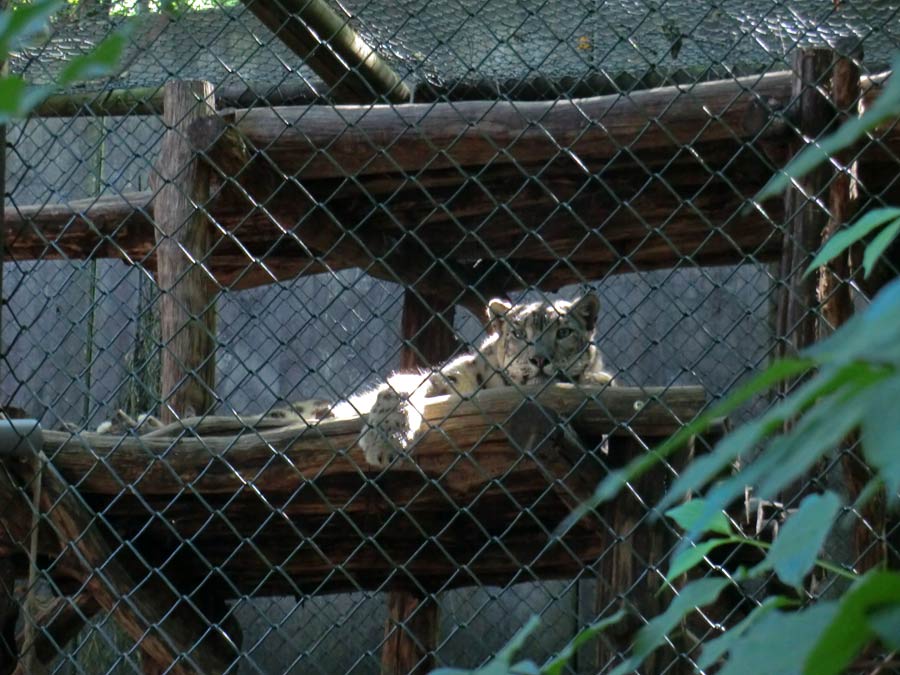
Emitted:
<point x="527" y="343"/>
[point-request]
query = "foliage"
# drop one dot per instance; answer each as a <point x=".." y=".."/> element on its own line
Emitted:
<point x="23" y="24"/>
<point x="851" y="383"/>
<point x="502" y="663"/>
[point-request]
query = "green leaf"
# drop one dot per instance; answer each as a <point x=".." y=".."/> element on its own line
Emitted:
<point x="688" y="558"/>
<point x="887" y="105"/>
<point x="24" y="22"/>
<point x="610" y="486"/>
<point x="744" y="438"/>
<point x="715" y="649"/>
<point x="695" y="594"/>
<point x="687" y="515"/>
<point x="501" y="663"/>
<point x="778" y="643"/>
<point x="878" y="246"/>
<point x="558" y="664"/>
<point x="849" y="631"/>
<point x="885" y="623"/>
<point x="872" y="335"/>
<point x="99" y="62"/>
<point x="843" y="239"/>
<point x="794" y="552"/>
<point x="817" y="432"/>
<point x="790" y="455"/>
<point x="881" y="435"/>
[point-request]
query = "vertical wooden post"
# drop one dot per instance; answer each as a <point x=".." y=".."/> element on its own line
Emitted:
<point x="632" y="572"/>
<point x="834" y="289"/>
<point x="187" y="311"/>
<point x="807" y="219"/>
<point x="411" y="632"/>
<point x="187" y="316"/>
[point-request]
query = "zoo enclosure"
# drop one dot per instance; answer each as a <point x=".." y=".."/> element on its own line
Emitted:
<point x="457" y="201"/>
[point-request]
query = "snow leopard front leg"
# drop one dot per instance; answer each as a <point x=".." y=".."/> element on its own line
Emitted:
<point x="394" y="415"/>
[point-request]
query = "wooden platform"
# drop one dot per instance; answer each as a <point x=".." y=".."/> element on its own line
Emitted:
<point x="302" y="500"/>
<point x="294" y="509"/>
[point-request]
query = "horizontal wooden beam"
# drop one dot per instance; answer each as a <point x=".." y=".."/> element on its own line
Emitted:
<point x="329" y="447"/>
<point x="317" y="141"/>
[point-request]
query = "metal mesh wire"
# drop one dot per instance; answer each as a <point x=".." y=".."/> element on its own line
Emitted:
<point x="81" y="335"/>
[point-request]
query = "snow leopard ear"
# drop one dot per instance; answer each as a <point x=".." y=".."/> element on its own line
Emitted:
<point x="496" y="310"/>
<point x="587" y="308"/>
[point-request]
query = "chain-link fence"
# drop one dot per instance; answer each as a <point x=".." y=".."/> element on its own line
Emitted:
<point x="274" y="202"/>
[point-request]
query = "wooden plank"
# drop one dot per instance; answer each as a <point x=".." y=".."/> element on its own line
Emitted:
<point x="329" y="45"/>
<point x="187" y="308"/>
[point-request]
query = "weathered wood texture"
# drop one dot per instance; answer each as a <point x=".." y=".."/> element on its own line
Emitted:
<point x="411" y="630"/>
<point x="604" y="183"/>
<point x="184" y="237"/>
<point x="141" y="602"/>
<point x="797" y="303"/>
<point x="329" y="45"/>
<point x="843" y="193"/>
<point x="313" y="474"/>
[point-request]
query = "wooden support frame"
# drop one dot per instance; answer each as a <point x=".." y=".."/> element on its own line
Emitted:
<point x="470" y="451"/>
<point x="187" y="302"/>
<point x="142" y="603"/>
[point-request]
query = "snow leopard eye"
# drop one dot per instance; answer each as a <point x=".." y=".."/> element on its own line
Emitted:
<point x="563" y="333"/>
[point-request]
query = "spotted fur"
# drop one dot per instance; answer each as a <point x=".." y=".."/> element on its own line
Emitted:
<point x="530" y="343"/>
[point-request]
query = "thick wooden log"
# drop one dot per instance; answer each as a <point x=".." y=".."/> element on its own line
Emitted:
<point x="187" y="304"/>
<point x="222" y="464"/>
<point x="630" y="574"/>
<point x="316" y="142"/>
<point x="149" y="100"/>
<point x="411" y="634"/>
<point x="843" y="192"/>
<point x="329" y="45"/>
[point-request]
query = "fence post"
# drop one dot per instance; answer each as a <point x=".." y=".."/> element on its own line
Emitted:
<point x="187" y="302"/>
<point x="411" y="632"/>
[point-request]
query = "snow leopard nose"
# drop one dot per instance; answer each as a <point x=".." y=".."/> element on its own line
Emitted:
<point x="538" y="362"/>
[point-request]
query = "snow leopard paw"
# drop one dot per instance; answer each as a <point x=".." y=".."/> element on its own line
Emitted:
<point x="388" y="433"/>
